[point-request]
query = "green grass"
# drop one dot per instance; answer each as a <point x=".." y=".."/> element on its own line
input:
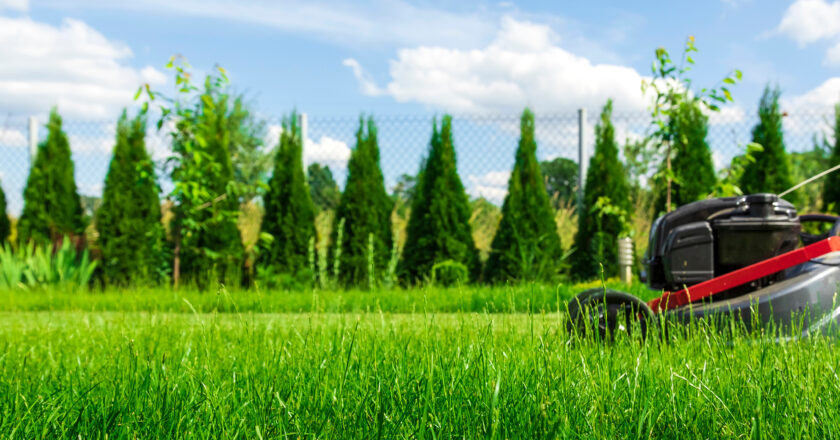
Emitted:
<point x="383" y="375"/>
<point x="504" y="299"/>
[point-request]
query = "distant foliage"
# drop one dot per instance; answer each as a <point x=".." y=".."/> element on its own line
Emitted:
<point x="45" y="265"/>
<point x="128" y="221"/>
<point x="771" y="170"/>
<point x="596" y="241"/>
<point x="5" y="224"/>
<point x="52" y="208"/>
<point x="322" y="187"/>
<point x="692" y="168"/>
<point x="526" y="245"/>
<point x="439" y="226"/>
<point x="365" y="212"/>
<point x="561" y="177"/>
<point x="831" y="193"/>
<point x="289" y="212"/>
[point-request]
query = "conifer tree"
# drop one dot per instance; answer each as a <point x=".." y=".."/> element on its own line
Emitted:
<point x="365" y="212"/>
<point x="5" y="224"/>
<point x="692" y="158"/>
<point x="129" y="220"/>
<point x="439" y="227"/>
<point x="831" y="190"/>
<point x="289" y="211"/>
<point x="771" y="170"/>
<point x="596" y="240"/>
<point x="526" y="245"/>
<point x="52" y="207"/>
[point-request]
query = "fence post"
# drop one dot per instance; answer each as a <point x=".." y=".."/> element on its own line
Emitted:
<point x="33" y="139"/>
<point x="583" y="156"/>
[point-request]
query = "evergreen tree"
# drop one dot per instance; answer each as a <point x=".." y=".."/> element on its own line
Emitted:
<point x="439" y="226"/>
<point x="289" y="212"/>
<point x="52" y="207"/>
<point x="596" y="240"/>
<point x="831" y="191"/>
<point x="691" y="161"/>
<point x="322" y="187"/>
<point x="526" y="245"/>
<point x="129" y="220"/>
<point x="771" y="170"/>
<point x="5" y="224"/>
<point x="365" y="210"/>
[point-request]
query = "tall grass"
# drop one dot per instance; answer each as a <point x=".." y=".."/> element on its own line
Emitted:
<point x="88" y="375"/>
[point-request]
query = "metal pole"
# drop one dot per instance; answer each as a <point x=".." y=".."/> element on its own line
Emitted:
<point x="33" y="139"/>
<point x="583" y="155"/>
<point x="625" y="259"/>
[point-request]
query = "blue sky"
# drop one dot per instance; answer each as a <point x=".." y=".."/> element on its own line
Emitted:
<point x="301" y="54"/>
<point x="395" y="57"/>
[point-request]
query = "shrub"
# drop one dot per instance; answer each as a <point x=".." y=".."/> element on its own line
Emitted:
<point x="596" y="241"/>
<point x="52" y="208"/>
<point x="365" y="210"/>
<point x="439" y="226"/>
<point x="129" y="220"/>
<point x="526" y="245"/>
<point x="691" y="163"/>
<point x="45" y="265"/>
<point x="322" y="187"/>
<point x="771" y="170"/>
<point x="289" y="211"/>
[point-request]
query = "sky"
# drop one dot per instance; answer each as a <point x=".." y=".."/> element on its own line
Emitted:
<point x="395" y="57"/>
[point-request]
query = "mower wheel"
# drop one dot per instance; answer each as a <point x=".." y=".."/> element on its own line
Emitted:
<point x="606" y="310"/>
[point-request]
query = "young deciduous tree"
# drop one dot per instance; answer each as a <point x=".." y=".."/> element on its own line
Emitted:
<point x="365" y="212"/>
<point x="439" y="226"/>
<point x="831" y="191"/>
<point x="770" y="172"/>
<point x="51" y="204"/>
<point x="289" y="211"/>
<point x="128" y="222"/>
<point x="691" y="163"/>
<point x="598" y="231"/>
<point x="526" y="245"/>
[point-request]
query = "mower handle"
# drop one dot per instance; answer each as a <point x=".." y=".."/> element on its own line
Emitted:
<point x="823" y="218"/>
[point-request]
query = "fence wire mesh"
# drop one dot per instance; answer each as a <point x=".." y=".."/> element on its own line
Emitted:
<point x="485" y="145"/>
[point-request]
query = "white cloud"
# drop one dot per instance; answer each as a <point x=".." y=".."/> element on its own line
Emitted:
<point x="820" y="98"/>
<point x="367" y="84"/>
<point x="807" y="21"/>
<point x="14" y="5"/>
<point x="522" y="66"/>
<point x="729" y="114"/>
<point x="492" y="186"/>
<point x="326" y="150"/>
<point x="832" y="56"/>
<point x="12" y="138"/>
<point x="72" y="66"/>
<point x="348" y="23"/>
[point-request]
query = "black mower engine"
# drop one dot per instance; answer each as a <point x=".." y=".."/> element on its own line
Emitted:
<point x="708" y="238"/>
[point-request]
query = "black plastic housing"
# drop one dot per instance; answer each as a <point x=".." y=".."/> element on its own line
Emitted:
<point x="709" y="238"/>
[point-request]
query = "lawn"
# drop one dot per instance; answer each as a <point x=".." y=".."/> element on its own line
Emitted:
<point x="154" y="374"/>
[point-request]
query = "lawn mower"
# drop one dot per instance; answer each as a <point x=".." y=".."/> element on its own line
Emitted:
<point x="746" y="258"/>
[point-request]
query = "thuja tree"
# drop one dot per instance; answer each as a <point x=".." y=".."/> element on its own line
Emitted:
<point x="52" y="207"/>
<point x="129" y="220"/>
<point x="439" y="226"/>
<point x="206" y="195"/>
<point x="596" y="240"/>
<point x="322" y="187"/>
<point x="526" y="245"/>
<point x="289" y="211"/>
<point x="770" y="172"/>
<point x="363" y="215"/>
<point x="5" y="224"/>
<point x="831" y="191"/>
<point x="691" y="161"/>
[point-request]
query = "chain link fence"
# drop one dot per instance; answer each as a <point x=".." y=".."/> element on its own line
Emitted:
<point x="485" y="144"/>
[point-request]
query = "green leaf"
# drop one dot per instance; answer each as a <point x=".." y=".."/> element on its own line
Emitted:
<point x="738" y="74"/>
<point x="728" y="95"/>
<point x="689" y="60"/>
<point x="729" y="81"/>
